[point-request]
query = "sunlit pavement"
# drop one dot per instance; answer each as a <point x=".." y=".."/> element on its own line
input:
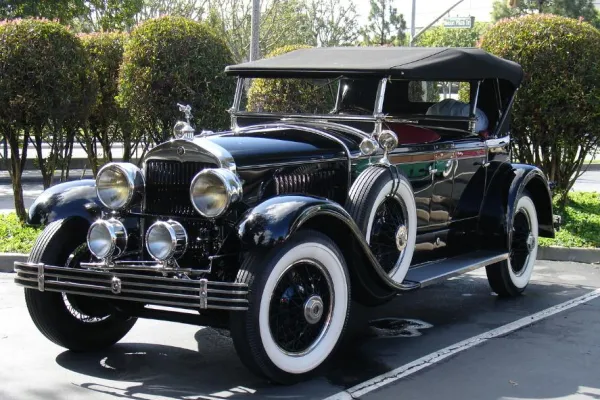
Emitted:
<point x="555" y="358"/>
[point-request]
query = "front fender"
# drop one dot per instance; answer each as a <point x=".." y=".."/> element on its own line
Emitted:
<point x="276" y="219"/>
<point x="507" y="183"/>
<point x="67" y="199"/>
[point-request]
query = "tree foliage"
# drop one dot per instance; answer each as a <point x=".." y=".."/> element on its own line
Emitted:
<point x="192" y="9"/>
<point x="386" y="26"/>
<point x="108" y="122"/>
<point x="110" y="15"/>
<point x="333" y="22"/>
<point x="282" y="22"/>
<point x="565" y="8"/>
<point x="172" y="60"/>
<point x="46" y="89"/>
<point x="440" y="36"/>
<point x="62" y="10"/>
<point x="287" y="95"/>
<point x="556" y="116"/>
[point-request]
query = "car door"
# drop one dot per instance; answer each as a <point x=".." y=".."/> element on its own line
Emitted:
<point x="467" y="192"/>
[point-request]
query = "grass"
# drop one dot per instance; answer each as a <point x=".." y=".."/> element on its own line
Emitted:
<point x="580" y="222"/>
<point x="15" y="237"/>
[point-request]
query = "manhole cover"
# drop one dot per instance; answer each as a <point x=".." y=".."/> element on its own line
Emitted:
<point x="397" y="327"/>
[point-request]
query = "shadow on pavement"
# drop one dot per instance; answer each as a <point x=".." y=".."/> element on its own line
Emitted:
<point x="435" y="317"/>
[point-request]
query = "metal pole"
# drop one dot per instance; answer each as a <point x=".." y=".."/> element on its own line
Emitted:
<point x="412" y="21"/>
<point x="434" y="21"/>
<point x="254" y="35"/>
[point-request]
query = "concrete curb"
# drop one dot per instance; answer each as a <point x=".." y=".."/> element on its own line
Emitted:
<point x="585" y="256"/>
<point x="555" y="253"/>
<point x="7" y="260"/>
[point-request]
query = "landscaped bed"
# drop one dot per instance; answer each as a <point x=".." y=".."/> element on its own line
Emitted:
<point x="580" y="228"/>
<point x="14" y="237"/>
<point x="580" y="222"/>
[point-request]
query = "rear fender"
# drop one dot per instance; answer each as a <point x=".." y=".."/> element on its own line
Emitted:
<point x="68" y="199"/>
<point x="507" y="183"/>
<point x="276" y="219"/>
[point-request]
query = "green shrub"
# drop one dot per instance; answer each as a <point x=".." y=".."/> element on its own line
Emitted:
<point x="172" y="60"/>
<point x="556" y="116"/>
<point x="287" y="95"/>
<point x="108" y="122"/>
<point x="46" y="89"/>
<point x="16" y="237"/>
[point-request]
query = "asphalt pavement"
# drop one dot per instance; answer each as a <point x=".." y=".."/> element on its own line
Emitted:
<point x="555" y="358"/>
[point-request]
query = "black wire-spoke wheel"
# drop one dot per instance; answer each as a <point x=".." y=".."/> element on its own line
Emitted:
<point x="298" y="305"/>
<point x="509" y="278"/>
<point x="389" y="232"/>
<point x="300" y="309"/>
<point x="522" y="242"/>
<point x="78" y="323"/>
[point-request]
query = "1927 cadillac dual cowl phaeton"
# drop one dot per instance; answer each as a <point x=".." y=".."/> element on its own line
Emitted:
<point x="271" y="229"/>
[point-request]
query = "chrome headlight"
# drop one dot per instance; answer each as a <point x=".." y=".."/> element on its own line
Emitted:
<point x="214" y="190"/>
<point x="107" y="239"/>
<point x="165" y="240"/>
<point x="119" y="184"/>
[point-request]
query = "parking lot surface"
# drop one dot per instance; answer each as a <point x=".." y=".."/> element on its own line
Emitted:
<point x="554" y="358"/>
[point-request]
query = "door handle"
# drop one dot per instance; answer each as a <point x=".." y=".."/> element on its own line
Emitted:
<point x="481" y="163"/>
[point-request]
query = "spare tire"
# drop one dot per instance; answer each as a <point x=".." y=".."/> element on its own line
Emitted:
<point x="382" y="203"/>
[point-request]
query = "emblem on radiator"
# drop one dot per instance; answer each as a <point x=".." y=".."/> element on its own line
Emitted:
<point x="115" y="285"/>
<point x="180" y="151"/>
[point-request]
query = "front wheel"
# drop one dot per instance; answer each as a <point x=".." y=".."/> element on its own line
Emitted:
<point x="298" y="307"/>
<point x="77" y="323"/>
<point x="510" y="278"/>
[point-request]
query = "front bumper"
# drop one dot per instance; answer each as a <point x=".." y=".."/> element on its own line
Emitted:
<point x="198" y="294"/>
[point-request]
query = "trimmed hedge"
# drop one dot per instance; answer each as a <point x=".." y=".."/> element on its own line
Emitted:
<point x="556" y="116"/>
<point x="108" y="122"/>
<point x="286" y="95"/>
<point x="172" y="60"/>
<point x="46" y="89"/>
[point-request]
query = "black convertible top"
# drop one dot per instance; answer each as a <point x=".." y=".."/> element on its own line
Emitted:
<point x="426" y="63"/>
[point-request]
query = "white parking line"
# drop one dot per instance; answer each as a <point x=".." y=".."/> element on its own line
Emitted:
<point x="408" y="369"/>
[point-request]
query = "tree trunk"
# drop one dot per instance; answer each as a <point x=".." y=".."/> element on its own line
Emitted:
<point x="18" y="197"/>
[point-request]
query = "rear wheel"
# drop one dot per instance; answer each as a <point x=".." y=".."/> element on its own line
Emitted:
<point x="510" y="278"/>
<point x="77" y="323"/>
<point x="298" y="307"/>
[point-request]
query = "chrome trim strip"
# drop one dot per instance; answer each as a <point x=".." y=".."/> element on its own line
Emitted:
<point x="333" y="125"/>
<point x="40" y="277"/>
<point x="203" y="293"/>
<point x="280" y="116"/>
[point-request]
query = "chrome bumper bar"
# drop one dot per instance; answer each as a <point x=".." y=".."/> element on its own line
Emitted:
<point x="200" y="294"/>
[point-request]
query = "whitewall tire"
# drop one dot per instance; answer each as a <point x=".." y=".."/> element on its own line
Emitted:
<point x="511" y="277"/>
<point x="383" y="206"/>
<point x="298" y="307"/>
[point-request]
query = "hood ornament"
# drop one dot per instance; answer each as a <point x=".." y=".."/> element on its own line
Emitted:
<point x="184" y="130"/>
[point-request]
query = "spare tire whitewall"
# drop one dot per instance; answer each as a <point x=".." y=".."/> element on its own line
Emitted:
<point x="383" y="206"/>
<point x="298" y="307"/>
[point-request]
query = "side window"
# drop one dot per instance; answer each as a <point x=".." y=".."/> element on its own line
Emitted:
<point x="435" y="91"/>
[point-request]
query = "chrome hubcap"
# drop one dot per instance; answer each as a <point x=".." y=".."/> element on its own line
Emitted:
<point x="401" y="237"/>
<point x="530" y="242"/>
<point x="313" y="309"/>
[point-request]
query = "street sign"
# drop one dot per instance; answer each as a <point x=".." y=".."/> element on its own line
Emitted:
<point x="459" y="22"/>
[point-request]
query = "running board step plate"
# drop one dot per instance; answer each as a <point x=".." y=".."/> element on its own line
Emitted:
<point x="441" y="270"/>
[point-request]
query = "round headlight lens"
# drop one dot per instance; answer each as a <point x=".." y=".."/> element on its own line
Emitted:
<point x="107" y="238"/>
<point x="213" y="190"/>
<point x="165" y="240"/>
<point x="118" y="183"/>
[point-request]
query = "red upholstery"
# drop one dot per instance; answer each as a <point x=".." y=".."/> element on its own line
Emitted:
<point x="410" y="134"/>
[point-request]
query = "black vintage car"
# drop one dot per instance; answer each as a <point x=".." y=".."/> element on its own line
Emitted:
<point x="393" y="180"/>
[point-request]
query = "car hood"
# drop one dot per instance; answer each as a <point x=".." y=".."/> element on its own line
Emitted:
<point x="259" y="146"/>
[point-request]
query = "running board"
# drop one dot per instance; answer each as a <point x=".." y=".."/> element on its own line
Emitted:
<point x="441" y="270"/>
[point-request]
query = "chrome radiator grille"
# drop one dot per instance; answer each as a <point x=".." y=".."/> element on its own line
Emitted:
<point x="168" y="186"/>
